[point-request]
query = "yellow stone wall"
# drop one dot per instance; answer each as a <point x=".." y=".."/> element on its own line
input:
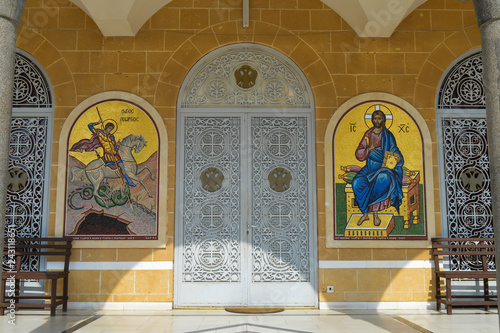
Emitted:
<point x="377" y="285"/>
<point x="338" y="65"/>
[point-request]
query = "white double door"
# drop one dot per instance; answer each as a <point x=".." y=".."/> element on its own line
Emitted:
<point x="245" y="209"/>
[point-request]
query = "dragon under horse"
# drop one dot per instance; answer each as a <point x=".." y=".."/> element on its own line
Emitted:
<point x="96" y="171"/>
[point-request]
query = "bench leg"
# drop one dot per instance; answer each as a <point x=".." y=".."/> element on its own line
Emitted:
<point x="448" y="296"/>
<point x="438" y="293"/>
<point x="17" y="289"/>
<point x="486" y="290"/>
<point x="53" y="298"/>
<point x="65" y="294"/>
<point x="2" y="298"/>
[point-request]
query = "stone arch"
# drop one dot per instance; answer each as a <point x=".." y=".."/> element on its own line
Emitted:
<point x="212" y="80"/>
<point x="29" y="70"/>
<point x="438" y="61"/>
<point x="211" y="38"/>
<point x="465" y="69"/>
<point x="55" y="65"/>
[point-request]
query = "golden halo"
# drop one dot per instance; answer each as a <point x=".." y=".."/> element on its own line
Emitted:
<point x="379" y="107"/>
<point x="112" y="121"/>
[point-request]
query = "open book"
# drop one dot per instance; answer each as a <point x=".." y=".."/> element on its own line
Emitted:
<point x="390" y="160"/>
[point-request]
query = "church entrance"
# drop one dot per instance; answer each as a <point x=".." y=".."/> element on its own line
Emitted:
<point x="245" y="192"/>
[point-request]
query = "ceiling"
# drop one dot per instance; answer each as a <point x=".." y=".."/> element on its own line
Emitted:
<point x="368" y="18"/>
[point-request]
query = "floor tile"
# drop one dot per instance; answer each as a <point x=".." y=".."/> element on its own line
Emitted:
<point x="289" y="321"/>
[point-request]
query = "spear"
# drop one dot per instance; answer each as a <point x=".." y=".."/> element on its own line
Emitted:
<point x="119" y="172"/>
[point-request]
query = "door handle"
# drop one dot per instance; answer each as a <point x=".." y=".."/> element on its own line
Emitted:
<point x="252" y="225"/>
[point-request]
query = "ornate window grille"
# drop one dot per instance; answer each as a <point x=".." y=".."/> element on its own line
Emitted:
<point x="463" y="87"/>
<point x="28" y="151"/>
<point x="465" y="157"/>
<point x="31" y="89"/>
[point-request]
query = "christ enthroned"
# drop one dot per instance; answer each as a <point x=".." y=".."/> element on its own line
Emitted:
<point x="379" y="183"/>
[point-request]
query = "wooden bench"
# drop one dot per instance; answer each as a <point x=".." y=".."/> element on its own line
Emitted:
<point x="38" y="247"/>
<point x="476" y="249"/>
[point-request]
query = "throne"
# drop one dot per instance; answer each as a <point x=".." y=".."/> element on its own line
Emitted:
<point x="410" y="205"/>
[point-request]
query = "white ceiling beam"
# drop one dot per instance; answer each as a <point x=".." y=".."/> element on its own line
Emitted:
<point x="373" y="18"/>
<point x="120" y="17"/>
<point x="369" y="18"/>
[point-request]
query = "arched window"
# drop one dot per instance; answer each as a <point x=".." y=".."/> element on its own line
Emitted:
<point x="463" y="87"/>
<point x="463" y="152"/>
<point x="30" y="151"/>
<point x="31" y="87"/>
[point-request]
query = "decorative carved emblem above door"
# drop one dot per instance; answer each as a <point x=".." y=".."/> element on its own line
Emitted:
<point x="245" y="77"/>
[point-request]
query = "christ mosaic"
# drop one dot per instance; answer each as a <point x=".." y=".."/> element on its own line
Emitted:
<point x="378" y="173"/>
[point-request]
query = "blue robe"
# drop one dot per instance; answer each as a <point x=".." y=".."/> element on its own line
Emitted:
<point x="374" y="184"/>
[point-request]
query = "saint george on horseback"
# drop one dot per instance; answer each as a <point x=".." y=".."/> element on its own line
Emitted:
<point x="104" y="138"/>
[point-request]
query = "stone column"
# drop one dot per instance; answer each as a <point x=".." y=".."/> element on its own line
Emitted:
<point x="488" y="20"/>
<point x="10" y="14"/>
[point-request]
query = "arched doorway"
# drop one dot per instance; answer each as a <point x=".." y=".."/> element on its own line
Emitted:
<point x="245" y="191"/>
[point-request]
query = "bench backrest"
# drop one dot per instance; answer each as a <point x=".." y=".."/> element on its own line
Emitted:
<point x="480" y="247"/>
<point x="16" y="248"/>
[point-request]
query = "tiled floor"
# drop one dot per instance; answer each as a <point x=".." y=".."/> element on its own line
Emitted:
<point x="289" y="321"/>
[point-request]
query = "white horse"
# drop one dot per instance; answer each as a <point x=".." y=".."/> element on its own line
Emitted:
<point x="96" y="171"/>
